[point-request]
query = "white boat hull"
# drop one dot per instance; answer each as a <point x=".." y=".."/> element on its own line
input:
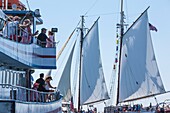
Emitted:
<point x="26" y="55"/>
<point x="52" y="107"/>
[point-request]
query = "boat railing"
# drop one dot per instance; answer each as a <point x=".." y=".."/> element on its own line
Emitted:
<point x="14" y="31"/>
<point x="23" y="94"/>
<point x="50" y="44"/>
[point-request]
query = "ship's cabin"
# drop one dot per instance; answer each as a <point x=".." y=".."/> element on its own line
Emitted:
<point x="12" y="26"/>
<point x="21" y="46"/>
<point x="18" y="57"/>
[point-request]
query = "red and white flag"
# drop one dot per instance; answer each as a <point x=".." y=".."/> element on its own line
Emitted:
<point x="153" y="28"/>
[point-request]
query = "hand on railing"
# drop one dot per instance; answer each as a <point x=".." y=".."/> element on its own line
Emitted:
<point x="54" y="87"/>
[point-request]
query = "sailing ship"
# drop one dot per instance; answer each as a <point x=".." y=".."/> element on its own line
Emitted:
<point x="89" y="76"/>
<point x="18" y="61"/>
<point x="138" y="74"/>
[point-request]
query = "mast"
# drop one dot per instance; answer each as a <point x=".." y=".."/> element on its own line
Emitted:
<point x="80" y="66"/>
<point x="121" y="26"/>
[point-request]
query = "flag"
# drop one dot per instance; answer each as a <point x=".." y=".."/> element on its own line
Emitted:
<point x="153" y="28"/>
<point x="72" y="104"/>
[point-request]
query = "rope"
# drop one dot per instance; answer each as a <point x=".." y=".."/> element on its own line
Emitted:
<point x="104" y="14"/>
<point x="28" y="4"/>
<point x="62" y="49"/>
<point x="91" y="7"/>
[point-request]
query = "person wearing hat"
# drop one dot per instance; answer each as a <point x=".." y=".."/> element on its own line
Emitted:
<point x="48" y="84"/>
<point x="51" y="37"/>
<point x="27" y="32"/>
<point x="7" y="27"/>
<point x="15" y="29"/>
<point x="42" y="37"/>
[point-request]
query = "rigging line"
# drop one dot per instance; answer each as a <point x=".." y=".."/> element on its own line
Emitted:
<point x="65" y="44"/>
<point x="91" y="7"/>
<point x="127" y="17"/>
<point x="62" y="49"/>
<point x="60" y="65"/>
<point x="28" y="4"/>
<point x="24" y="17"/>
<point x="103" y="14"/>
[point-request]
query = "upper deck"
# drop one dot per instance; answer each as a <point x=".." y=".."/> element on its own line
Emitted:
<point x="16" y="54"/>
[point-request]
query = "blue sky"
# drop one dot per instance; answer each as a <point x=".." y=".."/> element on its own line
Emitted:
<point x="65" y="14"/>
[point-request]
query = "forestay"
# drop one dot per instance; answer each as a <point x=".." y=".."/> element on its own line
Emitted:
<point x="64" y="84"/>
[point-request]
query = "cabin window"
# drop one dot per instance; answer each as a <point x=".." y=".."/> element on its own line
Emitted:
<point x="7" y="77"/>
<point x="10" y="78"/>
<point x="0" y="76"/>
<point x="14" y="78"/>
<point x="22" y="79"/>
<point x="3" y="77"/>
<point x="5" y="73"/>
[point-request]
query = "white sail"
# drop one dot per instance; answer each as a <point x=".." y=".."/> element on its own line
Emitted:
<point x="93" y="86"/>
<point x="139" y="74"/>
<point x="64" y="84"/>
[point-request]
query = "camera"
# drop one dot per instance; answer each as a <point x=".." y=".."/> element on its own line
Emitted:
<point x="54" y="29"/>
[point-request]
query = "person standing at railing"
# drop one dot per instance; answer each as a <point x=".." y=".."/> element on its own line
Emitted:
<point x="41" y="87"/>
<point x="41" y="83"/>
<point x="15" y="29"/>
<point x="7" y="27"/>
<point x="48" y="87"/>
<point x="48" y="84"/>
<point x="42" y="37"/>
<point x="34" y="94"/>
<point x="51" y="37"/>
<point x="26" y="33"/>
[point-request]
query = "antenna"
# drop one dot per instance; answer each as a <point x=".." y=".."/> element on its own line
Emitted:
<point x="28" y="4"/>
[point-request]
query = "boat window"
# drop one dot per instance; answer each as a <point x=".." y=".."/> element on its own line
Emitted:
<point x="7" y="77"/>
<point x="10" y="77"/>
<point x="16" y="79"/>
<point x="13" y="78"/>
<point x="5" y="73"/>
<point x="22" y="79"/>
<point x="3" y="77"/>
